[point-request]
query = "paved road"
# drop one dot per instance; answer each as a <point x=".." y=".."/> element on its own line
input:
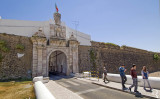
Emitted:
<point x="91" y="91"/>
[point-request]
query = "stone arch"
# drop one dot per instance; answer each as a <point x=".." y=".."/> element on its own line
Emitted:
<point x="60" y="50"/>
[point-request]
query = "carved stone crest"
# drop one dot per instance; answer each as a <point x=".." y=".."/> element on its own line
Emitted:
<point x="56" y="30"/>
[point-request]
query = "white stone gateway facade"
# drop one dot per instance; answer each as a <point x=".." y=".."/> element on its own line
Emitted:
<point x="55" y="55"/>
<point x="55" y="46"/>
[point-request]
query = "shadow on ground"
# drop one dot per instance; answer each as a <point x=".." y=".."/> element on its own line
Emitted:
<point x="59" y="77"/>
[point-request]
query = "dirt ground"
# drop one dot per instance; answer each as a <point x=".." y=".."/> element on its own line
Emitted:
<point x="155" y="74"/>
<point x="17" y="90"/>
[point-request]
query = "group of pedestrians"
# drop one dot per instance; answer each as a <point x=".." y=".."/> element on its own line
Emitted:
<point x="133" y="73"/>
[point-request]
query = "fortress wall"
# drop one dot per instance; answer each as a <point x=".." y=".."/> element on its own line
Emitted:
<point x="12" y="67"/>
<point x="112" y="56"/>
<point x="109" y="55"/>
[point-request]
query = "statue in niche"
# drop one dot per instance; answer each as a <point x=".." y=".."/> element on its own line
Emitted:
<point x="57" y="31"/>
<point x="57" y="18"/>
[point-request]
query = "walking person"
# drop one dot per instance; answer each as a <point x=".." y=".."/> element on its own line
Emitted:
<point x="122" y="71"/>
<point x="105" y="75"/>
<point x="145" y="75"/>
<point x="134" y="78"/>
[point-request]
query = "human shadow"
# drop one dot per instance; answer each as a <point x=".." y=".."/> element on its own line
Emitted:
<point x="59" y="77"/>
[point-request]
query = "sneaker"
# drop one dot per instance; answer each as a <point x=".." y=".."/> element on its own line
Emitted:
<point x="125" y="88"/>
<point x="136" y="91"/>
<point x="150" y="89"/>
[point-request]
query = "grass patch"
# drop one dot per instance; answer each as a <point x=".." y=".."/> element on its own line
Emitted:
<point x="20" y="46"/>
<point x="1" y="57"/>
<point x="112" y="44"/>
<point x="15" y="79"/>
<point x="17" y="90"/>
<point x="3" y="46"/>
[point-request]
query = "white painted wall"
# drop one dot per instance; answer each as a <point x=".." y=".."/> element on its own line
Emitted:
<point x="42" y="92"/>
<point x="28" y="28"/>
<point x="84" y="39"/>
<point x="23" y="28"/>
<point x="154" y="81"/>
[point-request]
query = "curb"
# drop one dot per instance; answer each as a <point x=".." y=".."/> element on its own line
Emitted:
<point x="122" y="90"/>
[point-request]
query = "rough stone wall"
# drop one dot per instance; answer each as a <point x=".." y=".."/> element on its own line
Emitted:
<point x="83" y="58"/>
<point x="12" y="67"/>
<point x="112" y="56"/>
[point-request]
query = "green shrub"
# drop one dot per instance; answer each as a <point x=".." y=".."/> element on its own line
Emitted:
<point x="2" y="43"/>
<point x="123" y="46"/>
<point x="20" y="46"/>
<point x="3" y="46"/>
<point x="4" y="49"/>
<point x="1" y="57"/>
<point x="4" y="34"/>
<point x="156" y="57"/>
<point x="111" y="44"/>
<point x="93" y="59"/>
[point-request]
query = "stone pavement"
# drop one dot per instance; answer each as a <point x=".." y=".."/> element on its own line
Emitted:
<point x="117" y="86"/>
<point x="60" y="92"/>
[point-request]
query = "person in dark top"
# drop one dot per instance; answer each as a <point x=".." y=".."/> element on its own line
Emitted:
<point x="122" y="71"/>
<point x="105" y="75"/>
<point x="145" y="75"/>
<point x="134" y="77"/>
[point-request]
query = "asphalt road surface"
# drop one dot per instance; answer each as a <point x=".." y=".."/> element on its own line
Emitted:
<point x="91" y="91"/>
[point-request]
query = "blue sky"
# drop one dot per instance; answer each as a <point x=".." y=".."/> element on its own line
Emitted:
<point x="134" y="23"/>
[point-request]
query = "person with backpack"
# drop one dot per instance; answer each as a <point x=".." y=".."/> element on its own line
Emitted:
<point x="122" y="71"/>
<point x="145" y="75"/>
<point x="134" y="78"/>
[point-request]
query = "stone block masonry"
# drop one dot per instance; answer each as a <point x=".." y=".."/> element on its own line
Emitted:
<point x="109" y="55"/>
<point x="112" y="56"/>
<point x="12" y="67"/>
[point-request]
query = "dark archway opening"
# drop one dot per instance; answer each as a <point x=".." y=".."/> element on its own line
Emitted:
<point x="57" y="63"/>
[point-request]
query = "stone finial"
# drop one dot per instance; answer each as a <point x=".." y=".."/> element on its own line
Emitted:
<point x="40" y="33"/>
<point x="57" y="18"/>
<point x="72" y="37"/>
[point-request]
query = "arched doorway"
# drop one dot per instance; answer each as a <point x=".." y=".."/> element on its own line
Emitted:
<point x="57" y="63"/>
